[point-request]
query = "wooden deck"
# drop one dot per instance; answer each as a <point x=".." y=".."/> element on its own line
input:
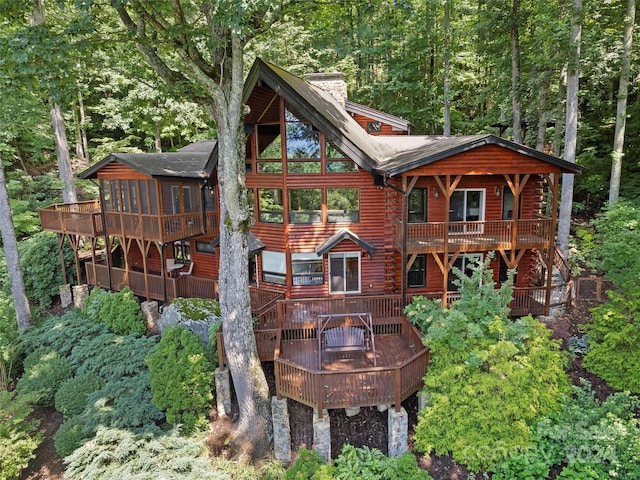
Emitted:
<point x="475" y="236"/>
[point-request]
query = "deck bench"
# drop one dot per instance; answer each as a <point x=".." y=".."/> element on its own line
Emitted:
<point x="341" y="339"/>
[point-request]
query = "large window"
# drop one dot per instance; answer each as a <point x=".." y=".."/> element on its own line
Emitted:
<point x="274" y="267"/>
<point x="269" y="149"/>
<point x="209" y="199"/>
<point x="337" y="162"/>
<point x="417" y="274"/>
<point x="185" y="201"/>
<point x="344" y="272"/>
<point x="307" y="269"/>
<point x="270" y="205"/>
<point x="464" y="263"/>
<point x="343" y="205"/>
<point x="305" y="205"/>
<point x="418" y="205"/>
<point x="303" y="146"/>
<point x="467" y="206"/>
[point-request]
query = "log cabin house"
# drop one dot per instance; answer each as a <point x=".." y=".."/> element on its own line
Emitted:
<point x="353" y="216"/>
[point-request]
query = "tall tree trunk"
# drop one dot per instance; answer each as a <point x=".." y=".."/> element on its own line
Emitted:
<point x="542" y="113"/>
<point x="621" y="110"/>
<point x="253" y="433"/>
<point x="57" y="122"/>
<point x="571" y="133"/>
<point x="20" y="302"/>
<point x="447" y="66"/>
<point x="559" y="121"/>
<point x="156" y="135"/>
<point x="83" y="127"/>
<point x="515" y="72"/>
<point x="62" y="148"/>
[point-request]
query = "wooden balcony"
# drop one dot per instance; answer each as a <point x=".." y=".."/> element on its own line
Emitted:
<point x="81" y="218"/>
<point x="348" y="378"/>
<point x="85" y="218"/>
<point x="154" y="284"/>
<point x="432" y="237"/>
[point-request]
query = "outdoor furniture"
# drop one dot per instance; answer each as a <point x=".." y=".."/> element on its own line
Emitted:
<point x="188" y="271"/>
<point x="172" y="266"/>
<point x="345" y="332"/>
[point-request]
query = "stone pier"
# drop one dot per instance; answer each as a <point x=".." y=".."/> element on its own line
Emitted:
<point x="80" y="294"/>
<point x="398" y="432"/>
<point x="281" y="430"/>
<point x="151" y="315"/>
<point x="322" y="434"/>
<point x="66" y="298"/>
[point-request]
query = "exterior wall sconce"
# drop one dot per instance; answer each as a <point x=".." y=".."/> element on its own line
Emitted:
<point x="497" y="192"/>
<point x="436" y="192"/>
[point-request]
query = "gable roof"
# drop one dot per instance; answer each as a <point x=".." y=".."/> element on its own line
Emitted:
<point x="382" y="155"/>
<point x="195" y="161"/>
<point x="397" y="123"/>
<point x="339" y="236"/>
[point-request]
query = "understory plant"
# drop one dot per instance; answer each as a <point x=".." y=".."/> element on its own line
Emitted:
<point x="490" y="379"/>
<point x="357" y="462"/>
<point x="182" y="378"/>
<point x="584" y="439"/>
<point x="19" y="435"/>
<point x="614" y="339"/>
<point x="121" y="313"/>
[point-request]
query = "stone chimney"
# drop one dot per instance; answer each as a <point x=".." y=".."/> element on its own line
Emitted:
<point x="330" y="82"/>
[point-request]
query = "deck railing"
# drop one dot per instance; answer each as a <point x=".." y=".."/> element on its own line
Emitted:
<point x="81" y="218"/>
<point x="467" y="236"/>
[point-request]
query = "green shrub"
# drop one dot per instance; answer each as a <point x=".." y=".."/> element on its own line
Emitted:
<point x="93" y="303"/>
<point x="40" y="262"/>
<point x="43" y="375"/>
<point x="181" y="378"/>
<point x="121" y="313"/>
<point x="307" y="463"/>
<point x="584" y="438"/>
<point x="498" y="376"/>
<point x="71" y="397"/>
<point x="114" y="453"/>
<point x="366" y="463"/>
<point x="70" y="435"/>
<point x="19" y="436"/>
<point x="614" y="339"/>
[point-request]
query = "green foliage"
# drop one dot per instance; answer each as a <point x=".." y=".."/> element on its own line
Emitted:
<point x="148" y="454"/>
<point x="93" y="303"/>
<point x="181" y="378"/>
<point x="307" y="463"/>
<point x="71" y="397"/>
<point x="40" y="262"/>
<point x="121" y="313"/>
<point x="614" y="339"/>
<point x="8" y="326"/>
<point x="45" y="371"/>
<point x="588" y="439"/>
<point x="18" y="435"/>
<point x="616" y="242"/>
<point x="70" y="435"/>
<point x="367" y="464"/>
<point x="498" y="375"/>
<point x="197" y="308"/>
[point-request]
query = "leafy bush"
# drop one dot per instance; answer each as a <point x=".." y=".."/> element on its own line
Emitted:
<point x="40" y="262"/>
<point x="181" y="378"/>
<point x="70" y="435"/>
<point x="117" y="453"/>
<point x="121" y="313"/>
<point x="616" y="242"/>
<point x="71" y="397"/>
<point x="588" y="439"/>
<point x="18" y="436"/>
<point x="44" y="372"/>
<point x="197" y="308"/>
<point x="499" y="376"/>
<point x="307" y="463"/>
<point x="614" y="339"/>
<point x="366" y="463"/>
<point x="93" y="303"/>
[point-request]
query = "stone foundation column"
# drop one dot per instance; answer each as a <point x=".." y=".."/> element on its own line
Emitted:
<point x="151" y="314"/>
<point x="80" y="294"/>
<point x="423" y="399"/>
<point x="223" y="392"/>
<point x="66" y="298"/>
<point x="322" y="434"/>
<point x="398" y="432"/>
<point x="281" y="430"/>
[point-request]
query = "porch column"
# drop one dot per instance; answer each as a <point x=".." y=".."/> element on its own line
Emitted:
<point x="223" y="392"/>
